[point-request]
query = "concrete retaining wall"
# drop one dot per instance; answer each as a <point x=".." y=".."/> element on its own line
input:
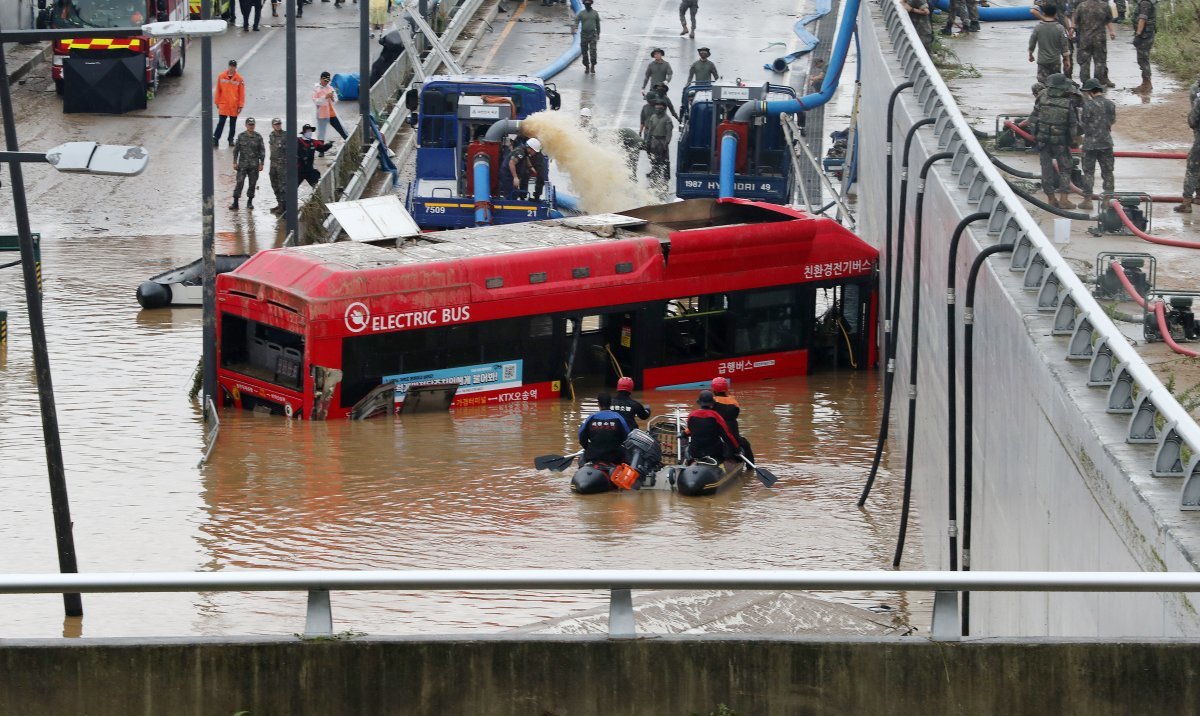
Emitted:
<point x="17" y="14"/>
<point x="566" y="676"/>
<point x="1056" y="487"/>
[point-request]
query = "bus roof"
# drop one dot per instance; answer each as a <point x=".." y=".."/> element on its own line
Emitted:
<point x="685" y="241"/>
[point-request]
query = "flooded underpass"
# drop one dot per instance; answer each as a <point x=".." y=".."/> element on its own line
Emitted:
<point x="441" y="490"/>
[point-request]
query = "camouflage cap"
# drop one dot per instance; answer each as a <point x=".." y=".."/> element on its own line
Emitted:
<point x="1038" y="87"/>
<point x="1092" y="84"/>
<point x="1059" y="81"/>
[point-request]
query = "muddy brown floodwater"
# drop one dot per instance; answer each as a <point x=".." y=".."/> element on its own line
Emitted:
<point x="421" y="491"/>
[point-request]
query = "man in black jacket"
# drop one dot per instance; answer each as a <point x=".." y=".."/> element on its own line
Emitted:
<point x="729" y="409"/>
<point x="629" y="408"/>
<point x="708" y="434"/>
<point x="307" y="147"/>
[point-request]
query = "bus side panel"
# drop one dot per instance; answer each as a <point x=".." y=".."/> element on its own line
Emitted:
<point x="757" y="367"/>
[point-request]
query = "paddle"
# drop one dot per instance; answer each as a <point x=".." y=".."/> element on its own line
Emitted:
<point x="557" y="463"/>
<point x="763" y="474"/>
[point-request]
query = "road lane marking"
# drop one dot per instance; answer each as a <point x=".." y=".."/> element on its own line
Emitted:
<point x="512" y="22"/>
<point x="195" y="111"/>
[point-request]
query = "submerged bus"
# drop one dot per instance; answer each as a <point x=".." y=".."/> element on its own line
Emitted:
<point x="669" y="295"/>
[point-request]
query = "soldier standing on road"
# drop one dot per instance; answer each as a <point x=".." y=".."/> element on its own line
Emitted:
<point x="918" y="14"/>
<point x="702" y="70"/>
<point x="686" y="7"/>
<point x="658" y="143"/>
<point x="277" y="141"/>
<point x="1053" y="50"/>
<point x="249" y="6"/>
<point x="1120" y="10"/>
<point x="1092" y="20"/>
<point x="658" y="71"/>
<point x="249" y="153"/>
<point x="588" y="22"/>
<point x="1063" y="10"/>
<point x="230" y="97"/>
<point x="1099" y="115"/>
<point x="969" y="10"/>
<point x="1143" y="40"/>
<point x="1054" y="126"/>
<point x="1191" y="179"/>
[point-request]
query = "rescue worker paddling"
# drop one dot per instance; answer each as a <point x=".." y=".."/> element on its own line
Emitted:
<point x="627" y="406"/>
<point x="709" y="436"/>
<point x="729" y="409"/>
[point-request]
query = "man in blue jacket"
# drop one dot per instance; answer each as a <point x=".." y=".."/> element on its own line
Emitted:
<point x="602" y="433"/>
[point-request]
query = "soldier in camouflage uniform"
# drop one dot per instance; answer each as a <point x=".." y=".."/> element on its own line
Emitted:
<point x="968" y="10"/>
<point x="1092" y="19"/>
<point x="588" y="22"/>
<point x="249" y="153"/>
<point x="918" y="13"/>
<point x="658" y="143"/>
<point x="1191" y="179"/>
<point x="1054" y="126"/>
<point x="1099" y="114"/>
<point x="278" y="144"/>
<point x="1120" y="10"/>
<point x="1143" y="40"/>
<point x="1053" y="50"/>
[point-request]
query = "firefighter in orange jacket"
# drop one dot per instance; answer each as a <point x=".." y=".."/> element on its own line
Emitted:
<point x="230" y="98"/>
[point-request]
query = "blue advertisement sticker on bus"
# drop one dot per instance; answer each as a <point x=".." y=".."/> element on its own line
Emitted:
<point x="470" y="378"/>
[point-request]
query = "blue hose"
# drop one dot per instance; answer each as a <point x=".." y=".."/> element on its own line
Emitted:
<point x="995" y="14"/>
<point x="838" y="58"/>
<point x="807" y="40"/>
<point x="565" y="201"/>
<point x="728" y="161"/>
<point x="566" y="58"/>
<point x="483" y="185"/>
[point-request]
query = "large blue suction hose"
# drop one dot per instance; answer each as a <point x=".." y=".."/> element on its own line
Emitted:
<point x="483" y="186"/>
<point x="995" y="14"/>
<point x="728" y="161"/>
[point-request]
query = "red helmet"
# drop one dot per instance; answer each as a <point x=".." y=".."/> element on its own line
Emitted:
<point x="720" y="384"/>
<point x="625" y="384"/>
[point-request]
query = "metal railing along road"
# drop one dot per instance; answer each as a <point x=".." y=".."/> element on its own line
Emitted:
<point x="619" y="583"/>
<point x="1133" y="388"/>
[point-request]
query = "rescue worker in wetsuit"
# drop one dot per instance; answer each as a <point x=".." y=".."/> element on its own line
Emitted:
<point x="629" y="408"/>
<point x="708" y="434"/>
<point x="602" y="433"/>
<point x="729" y="409"/>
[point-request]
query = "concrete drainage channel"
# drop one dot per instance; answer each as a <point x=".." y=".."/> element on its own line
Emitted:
<point x="349" y="175"/>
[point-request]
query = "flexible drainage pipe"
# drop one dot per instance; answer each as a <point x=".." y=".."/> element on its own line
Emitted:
<point x="729" y="143"/>
<point x="1116" y="205"/>
<point x="996" y="14"/>
<point x="952" y="387"/>
<point x="889" y="376"/>
<point x="568" y="56"/>
<point x="1127" y="154"/>
<point x="482" y="169"/>
<point x="913" y="352"/>
<point x="1047" y="207"/>
<point x="1165" y="332"/>
<point x="969" y="416"/>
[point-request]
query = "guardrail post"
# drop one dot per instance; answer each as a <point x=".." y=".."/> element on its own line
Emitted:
<point x="620" y="614"/>
<point x="946" y="625"/>
<point x="319" y="621"/>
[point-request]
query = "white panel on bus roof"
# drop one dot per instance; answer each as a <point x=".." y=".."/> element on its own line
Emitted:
<point x="374" y="219"/>
<point x="592" y="222"/>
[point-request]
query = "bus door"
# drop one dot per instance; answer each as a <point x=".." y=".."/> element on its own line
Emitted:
<point x="599" y="349"/>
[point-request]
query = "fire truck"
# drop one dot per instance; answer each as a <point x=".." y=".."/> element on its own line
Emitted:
<point x="162" y="56"/>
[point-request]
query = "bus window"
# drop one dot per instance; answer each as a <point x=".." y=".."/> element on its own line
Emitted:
<point x="770" y="320"/>
<point x="263" y="352"/>
<point x="697" y="328"/>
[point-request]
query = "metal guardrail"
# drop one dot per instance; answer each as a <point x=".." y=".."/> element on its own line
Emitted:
<point x="619" y="582"/>
<point x="1133" y="388"/>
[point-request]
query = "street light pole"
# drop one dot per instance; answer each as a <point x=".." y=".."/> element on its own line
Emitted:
<point x="364" y="72"/>
<point x="292" y="172"/>
<point x="64" y="536"/>
<point x="207" y="239"/>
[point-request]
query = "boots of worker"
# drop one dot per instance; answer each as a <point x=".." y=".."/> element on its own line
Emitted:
<point x="1064" y="201"/>
<point x="1087" y="203"/>
<point x="1143" y="88"/>
<point x="249" y="202"/>
<point x="234" y="205"/>
<point x="1185" y="206"/>
<point x="684" y="31"/>
<point x="973" y="27"/>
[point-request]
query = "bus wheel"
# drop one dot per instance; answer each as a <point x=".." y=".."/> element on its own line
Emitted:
<point x="177" y="68"/>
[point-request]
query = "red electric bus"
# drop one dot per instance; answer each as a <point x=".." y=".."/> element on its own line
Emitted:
<point x="669" y="295"/>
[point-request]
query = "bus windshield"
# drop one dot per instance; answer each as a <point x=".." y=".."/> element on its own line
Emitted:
<point x="264" y="352"/>
<point x="98" y="13"/>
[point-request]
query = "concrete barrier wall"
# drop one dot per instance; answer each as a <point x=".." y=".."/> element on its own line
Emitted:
<point x="1056" y="487"/>
<point x="17" y="14"/>
<point x="565" y="676"/>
